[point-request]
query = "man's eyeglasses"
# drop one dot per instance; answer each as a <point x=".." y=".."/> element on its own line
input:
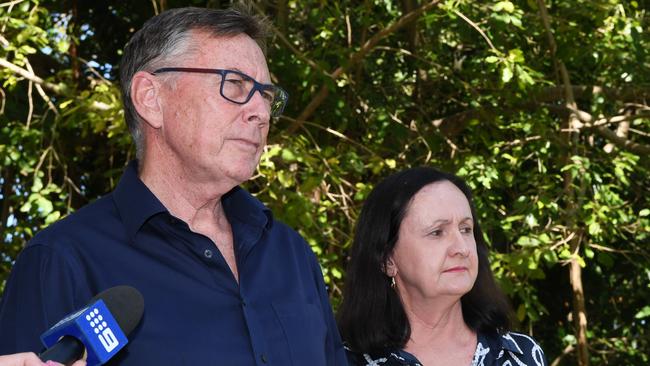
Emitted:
<point x="239" y="88"/>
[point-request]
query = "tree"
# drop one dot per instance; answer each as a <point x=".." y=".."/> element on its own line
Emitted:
<point x="541" y="106"/>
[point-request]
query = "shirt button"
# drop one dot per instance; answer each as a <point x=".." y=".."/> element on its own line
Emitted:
<point x="207" y="253"/>
<point x="263" y="357"/>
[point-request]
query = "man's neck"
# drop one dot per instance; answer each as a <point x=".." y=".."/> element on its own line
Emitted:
<point x="196" y="202"/>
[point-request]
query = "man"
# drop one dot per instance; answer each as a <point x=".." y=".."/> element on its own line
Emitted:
<point x="223" y="282"/>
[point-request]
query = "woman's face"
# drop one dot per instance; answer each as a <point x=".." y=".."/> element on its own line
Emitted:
<point x="435" y="255"/>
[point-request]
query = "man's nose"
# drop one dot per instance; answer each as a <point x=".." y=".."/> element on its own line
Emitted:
<point x="258" y="108"/>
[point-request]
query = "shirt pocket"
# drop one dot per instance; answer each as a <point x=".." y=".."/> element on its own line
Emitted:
<point x="305" y="331"/>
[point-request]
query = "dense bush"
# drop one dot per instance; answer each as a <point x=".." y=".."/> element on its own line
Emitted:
<point x="545" y="111"/>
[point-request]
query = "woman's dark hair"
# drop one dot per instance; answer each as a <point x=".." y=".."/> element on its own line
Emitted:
<point x="371" y="317"/>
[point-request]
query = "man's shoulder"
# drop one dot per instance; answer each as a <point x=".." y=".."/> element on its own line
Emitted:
<point x="99" y="215"/>
<point x="279" y="229"/>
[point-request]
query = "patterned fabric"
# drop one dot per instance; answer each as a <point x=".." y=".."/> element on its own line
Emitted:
<point x="510" y="349"/>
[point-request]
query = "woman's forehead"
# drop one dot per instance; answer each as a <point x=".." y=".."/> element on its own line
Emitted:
<point x="440" y="200"/>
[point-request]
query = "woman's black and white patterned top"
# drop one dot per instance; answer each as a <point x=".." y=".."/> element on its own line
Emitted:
<point x="510" y="349"/>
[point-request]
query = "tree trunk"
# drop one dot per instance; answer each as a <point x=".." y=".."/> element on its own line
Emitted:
<point x="573" y="198"/>
<point x="571" y="138"/>
<point x="74" y="53"/>
<point x="621" y="131"/>
<point x="7" y="193"/>
<point x="579" y="311"/>
<point x="282" y="16"/>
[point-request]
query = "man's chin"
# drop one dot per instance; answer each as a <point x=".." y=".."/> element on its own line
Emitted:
<point x="239" y="176"/>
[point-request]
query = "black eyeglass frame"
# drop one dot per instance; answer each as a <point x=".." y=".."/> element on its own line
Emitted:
<point x="280" y="94"/>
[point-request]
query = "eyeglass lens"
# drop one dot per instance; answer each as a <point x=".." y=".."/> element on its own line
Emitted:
<point x="239" y="89"/>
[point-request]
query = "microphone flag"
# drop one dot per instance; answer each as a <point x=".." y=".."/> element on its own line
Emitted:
<point x="95" y="327"/>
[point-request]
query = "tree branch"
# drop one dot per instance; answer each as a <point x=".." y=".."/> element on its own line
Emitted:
<point x="478" y="29"/>
<point x="11" y="3"/>
<point x="41" y="92"/>
<point x="580" y="92"/>
<point x="42" y="84"/>
<point x="622" y="142"/>
<point x="290" y="46"/>
<point x="30" y="76"/>
<point x="454" y="124"/>
<point x="355" y="57"/>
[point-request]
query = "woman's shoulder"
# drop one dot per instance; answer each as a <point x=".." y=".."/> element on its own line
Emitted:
<point x="516" y="347"/>
<point x="383" y="358"/>
<point x="521" y="342"/>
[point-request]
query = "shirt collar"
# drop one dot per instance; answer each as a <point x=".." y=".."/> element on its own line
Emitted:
<point x="241" y="205"/>
<point x="497" y="341"/>
<point x="134" y="201"/>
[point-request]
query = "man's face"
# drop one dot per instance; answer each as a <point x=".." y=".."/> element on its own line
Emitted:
<point x="212" y="138"/>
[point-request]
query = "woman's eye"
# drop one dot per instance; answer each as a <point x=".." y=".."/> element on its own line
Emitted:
<point x="436" y="232"/>
<point x="466" y="230"/>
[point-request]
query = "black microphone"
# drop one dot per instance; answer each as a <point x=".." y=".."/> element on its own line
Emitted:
<point x="100" y="328"/>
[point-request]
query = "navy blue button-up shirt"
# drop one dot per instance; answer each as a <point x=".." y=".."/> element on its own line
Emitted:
<point x="195" y="311"/>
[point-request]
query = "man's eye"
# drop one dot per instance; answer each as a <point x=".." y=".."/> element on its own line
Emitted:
<point x="237" y="82"/>
<point x="436" y="233"/>
<point x="268" y="96"/>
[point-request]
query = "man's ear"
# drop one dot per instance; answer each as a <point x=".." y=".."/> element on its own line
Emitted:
<point x="390" y="269"/>
<point x="145" y="96"/>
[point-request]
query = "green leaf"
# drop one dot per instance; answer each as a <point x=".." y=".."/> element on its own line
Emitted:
<point x="337" y="273"/>
<point x="516" y="55"/>
<point x="44" y="205"/>
<point x="52" y="217"/>
<point x="521" y="312"/>
<point x="506" y="74"/>
<point x="643" y="313"/>
<point x="288" y="155"/>
<point x="66" y="103"/>
<point x="506" y="6"/>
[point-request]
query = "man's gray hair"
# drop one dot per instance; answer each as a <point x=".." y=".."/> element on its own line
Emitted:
<point x="165" y="37"/>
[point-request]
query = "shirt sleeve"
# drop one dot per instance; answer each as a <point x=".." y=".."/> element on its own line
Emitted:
<point x="38" y="293"/>
<point x="334" y="345"/>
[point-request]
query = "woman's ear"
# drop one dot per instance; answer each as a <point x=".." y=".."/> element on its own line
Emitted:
<point x="145" y="96"/>
<point x="390" y="269"/>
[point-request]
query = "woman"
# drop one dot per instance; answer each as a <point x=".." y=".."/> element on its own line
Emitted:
<point x="419" y="288"/>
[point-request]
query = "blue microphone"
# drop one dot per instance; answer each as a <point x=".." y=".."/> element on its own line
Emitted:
<point x="100" y="328"/>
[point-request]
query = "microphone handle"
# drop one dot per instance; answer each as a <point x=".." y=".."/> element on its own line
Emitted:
<point x="66" y="351"/>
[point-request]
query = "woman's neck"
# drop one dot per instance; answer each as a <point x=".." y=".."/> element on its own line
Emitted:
<point x="439" y="334"/>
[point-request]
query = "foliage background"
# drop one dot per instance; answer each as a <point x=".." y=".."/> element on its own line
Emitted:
<point x="542" y="106"/>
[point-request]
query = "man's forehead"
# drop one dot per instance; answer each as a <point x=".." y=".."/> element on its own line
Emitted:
<point x="206" y="40"/>
<point x="238" y="52"/>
